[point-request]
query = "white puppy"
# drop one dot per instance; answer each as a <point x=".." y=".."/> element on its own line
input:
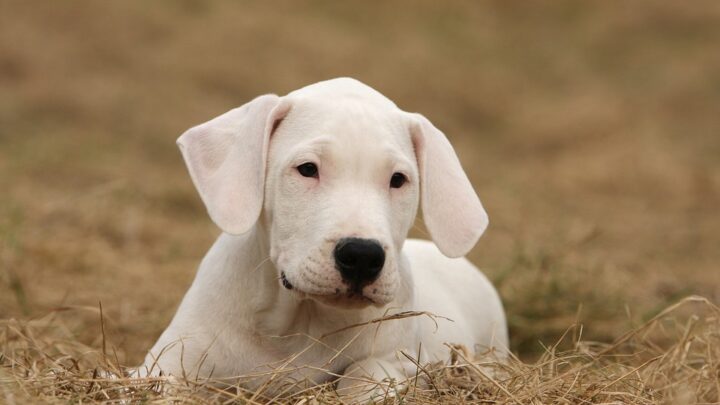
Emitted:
<point x="315" y="193"/>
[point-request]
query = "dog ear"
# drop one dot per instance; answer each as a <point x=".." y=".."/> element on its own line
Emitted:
<point x="451" y="209"/>
<point x="226" y="158"/>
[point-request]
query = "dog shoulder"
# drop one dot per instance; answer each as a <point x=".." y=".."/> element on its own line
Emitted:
<point x="424" y="254"/>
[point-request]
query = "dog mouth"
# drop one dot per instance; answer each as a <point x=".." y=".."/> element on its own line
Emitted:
<point x="350" y="298"/>
<point x="285" y="282"/>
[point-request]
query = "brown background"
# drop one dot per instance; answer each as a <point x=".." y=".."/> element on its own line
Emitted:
<point x="591" y="131"/>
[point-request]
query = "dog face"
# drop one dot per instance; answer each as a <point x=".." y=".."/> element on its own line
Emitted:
<point x="335" y="171"/>
<point x="341" y="193"/>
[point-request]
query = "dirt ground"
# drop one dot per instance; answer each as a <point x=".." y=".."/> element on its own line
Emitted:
<point x="591" y="131"/>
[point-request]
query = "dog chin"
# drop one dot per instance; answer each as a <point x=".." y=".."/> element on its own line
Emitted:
<point x="341" y="301"/>
<point x="345" y="301"/>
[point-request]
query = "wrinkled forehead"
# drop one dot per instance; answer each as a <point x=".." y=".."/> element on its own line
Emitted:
<point x="351" y="126"/>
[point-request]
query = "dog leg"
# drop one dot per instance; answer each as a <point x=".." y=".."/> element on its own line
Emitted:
<point x="373" y="379"/>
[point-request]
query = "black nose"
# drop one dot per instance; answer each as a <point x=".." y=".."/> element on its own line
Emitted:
<point x="359" y="260"/>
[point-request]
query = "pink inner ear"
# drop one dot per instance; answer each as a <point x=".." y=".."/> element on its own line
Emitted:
<point x="276" y="125"/>
<point x="226" y="159"/>
<point x="451" y="209"/>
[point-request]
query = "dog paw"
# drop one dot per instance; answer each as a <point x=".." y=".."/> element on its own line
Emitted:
<point x="372" y="381"/>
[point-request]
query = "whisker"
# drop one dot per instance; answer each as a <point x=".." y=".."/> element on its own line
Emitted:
<point x="260" y="264"/>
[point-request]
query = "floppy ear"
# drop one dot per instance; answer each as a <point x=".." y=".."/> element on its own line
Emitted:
<point x="451" y="209"/>
<point x="226" y="159"/>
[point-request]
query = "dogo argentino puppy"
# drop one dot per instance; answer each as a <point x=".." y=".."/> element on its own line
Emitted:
<point x="315" y="193"/>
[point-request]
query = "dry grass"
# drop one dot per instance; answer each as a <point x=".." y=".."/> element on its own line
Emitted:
<point x="590" y="131"/>
<point x="673" y="358"/>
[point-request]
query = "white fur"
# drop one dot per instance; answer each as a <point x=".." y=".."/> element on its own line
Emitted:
<point x="237" y="319"/>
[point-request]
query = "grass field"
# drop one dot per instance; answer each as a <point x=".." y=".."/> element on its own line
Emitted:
<point x="591" y="131"/>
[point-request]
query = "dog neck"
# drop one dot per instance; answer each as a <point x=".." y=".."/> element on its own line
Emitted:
<point x="267" y="308"/>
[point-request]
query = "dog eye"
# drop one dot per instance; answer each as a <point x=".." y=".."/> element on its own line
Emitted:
<point x="397" y="180"/>
<point x="308" y="170"/>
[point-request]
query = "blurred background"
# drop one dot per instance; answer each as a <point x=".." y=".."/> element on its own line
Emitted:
<point x="591" y="131"/>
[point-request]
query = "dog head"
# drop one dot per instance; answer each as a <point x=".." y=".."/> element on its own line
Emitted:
<point x="335" y="171"/>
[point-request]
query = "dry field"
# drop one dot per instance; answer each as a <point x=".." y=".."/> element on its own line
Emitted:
<point x="591" y="131"/>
